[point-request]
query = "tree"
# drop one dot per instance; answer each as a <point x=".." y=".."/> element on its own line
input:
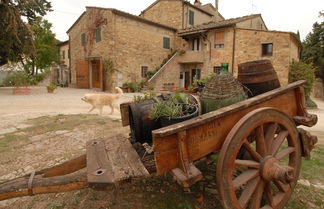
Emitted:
<point x="45" y="46"/>
<point x="313" y="49"/>
<point x="15" y="35"/>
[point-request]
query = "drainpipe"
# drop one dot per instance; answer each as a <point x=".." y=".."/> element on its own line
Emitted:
<point x="183" y="15"/>
<point x="206" y="37"/>
<point x="69" y="55"/>
<point x="233" y="52"/>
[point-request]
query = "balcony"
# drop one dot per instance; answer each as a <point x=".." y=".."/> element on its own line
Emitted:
<point x="192" y="57"/>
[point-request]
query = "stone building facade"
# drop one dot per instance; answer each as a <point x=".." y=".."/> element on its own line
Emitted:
<point x="201" y="37"/>
<point x="64" y="53"/>
<point x="133" y="44"/>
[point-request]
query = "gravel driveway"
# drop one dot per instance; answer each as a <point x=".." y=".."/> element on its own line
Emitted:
<point x="14" y="109"/>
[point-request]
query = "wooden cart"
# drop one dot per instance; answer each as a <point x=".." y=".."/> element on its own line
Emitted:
<point x="259" y="147"/>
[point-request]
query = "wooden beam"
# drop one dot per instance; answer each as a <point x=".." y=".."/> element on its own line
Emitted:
<point x="19" y="187"/>
<point x="67" y="167"/>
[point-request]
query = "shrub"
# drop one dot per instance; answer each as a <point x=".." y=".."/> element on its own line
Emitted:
<point x="302" y="71"/>
<point x="146" y="96"/>
<point x="21" y="78"/>
<point x="17" y="79"/>
<point x="166" y="109"/>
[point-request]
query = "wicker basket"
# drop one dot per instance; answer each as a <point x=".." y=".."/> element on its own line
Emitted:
<point x="220" y="91"/>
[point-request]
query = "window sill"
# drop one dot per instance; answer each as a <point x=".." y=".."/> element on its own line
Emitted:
<point x="267" y="55"/>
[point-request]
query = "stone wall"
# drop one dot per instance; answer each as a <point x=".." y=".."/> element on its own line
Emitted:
<point x="64" y="60"/>
<point x="166" y="12"/>
<point x="254" y="23"/>
<point x="199" y="16"/>
<point x="92" y="49"/>
<point x="139" y="44"/>
<point x="176" y="14"/>
<point x="129" y="43"/>
<point x="248" y="48"/>
<point x="168" y="76"/>
<point x="221" y="55"/>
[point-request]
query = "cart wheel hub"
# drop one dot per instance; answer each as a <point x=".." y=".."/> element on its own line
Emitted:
<point x="271" y="170"/>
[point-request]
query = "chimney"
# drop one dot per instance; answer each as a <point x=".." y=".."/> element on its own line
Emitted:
<point x="197" y="3"/>
<point x="216" y="5"/>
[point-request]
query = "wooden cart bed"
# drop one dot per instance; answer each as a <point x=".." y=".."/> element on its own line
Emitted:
<point x="177" y="145"/>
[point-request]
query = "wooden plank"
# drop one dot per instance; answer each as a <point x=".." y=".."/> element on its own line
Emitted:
<point x="206" y="133"/>
<point x="124" y="111"/>
<point x="99" y="171"/>
<point x="125" y="162"/>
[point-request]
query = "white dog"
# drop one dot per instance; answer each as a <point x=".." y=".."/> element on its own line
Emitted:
<point x="100" y="100"/>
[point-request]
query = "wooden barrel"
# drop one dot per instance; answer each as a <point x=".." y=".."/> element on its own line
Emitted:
<point x="258" y="76"/>
<point x="141" y="125"/>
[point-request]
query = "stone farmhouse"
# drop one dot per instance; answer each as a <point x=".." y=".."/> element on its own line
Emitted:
<point x="194" y="39"/>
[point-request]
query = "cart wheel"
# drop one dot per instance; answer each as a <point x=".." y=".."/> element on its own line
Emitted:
<point x="259" y="162"/>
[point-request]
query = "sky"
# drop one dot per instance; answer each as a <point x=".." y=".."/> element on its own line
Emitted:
<point x="280" y="15"/>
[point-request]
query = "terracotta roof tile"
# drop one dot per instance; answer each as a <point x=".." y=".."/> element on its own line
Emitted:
<point x="213" y="24"/>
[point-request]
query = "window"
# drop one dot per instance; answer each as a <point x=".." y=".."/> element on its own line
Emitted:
<point x="166" y="43"/>
<point x="195" y="44"/>
<point x="83" y="39"/>
<point x="98" y="34"/>
<point x="267" y="49"/>
<point x="144" y="70"/>
<point x="217" y="69"/>
<point x="191" y="17"/>
<point x="63" y="54"/>
<point x="219" y="40"/>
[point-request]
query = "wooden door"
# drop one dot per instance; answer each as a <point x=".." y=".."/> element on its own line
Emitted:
<point x="95" y="73"/>
<point x="82" y="74"/>
<point x="187" y="79"/>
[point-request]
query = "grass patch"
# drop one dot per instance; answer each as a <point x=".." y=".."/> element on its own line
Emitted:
<point x="306" y="197"/>
<point x="7" y="139"/>
<point x="313" y="170"/>
<point x="46" y="124"/>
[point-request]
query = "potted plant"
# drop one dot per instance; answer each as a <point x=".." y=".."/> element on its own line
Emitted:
<point x="126" y="87"/>
<point x="174" y="110"/>
<point x="51" y="88"/>
<point x="134" y="87"/>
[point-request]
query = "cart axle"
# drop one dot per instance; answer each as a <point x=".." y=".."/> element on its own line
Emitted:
<point x="271" y="170"/>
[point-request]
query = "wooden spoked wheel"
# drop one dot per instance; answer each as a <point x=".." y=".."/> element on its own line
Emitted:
<point x="259" y="162"/>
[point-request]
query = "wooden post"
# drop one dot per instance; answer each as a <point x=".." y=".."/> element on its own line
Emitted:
<point x="187" y="174"/>
<point x="183" y="152"/>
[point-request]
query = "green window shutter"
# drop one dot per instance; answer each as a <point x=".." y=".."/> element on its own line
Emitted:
<point x="98" y="34"/>
<point x="191" y="17"/>
<point x="166" y="43"/>
<point x="83" y="39"/>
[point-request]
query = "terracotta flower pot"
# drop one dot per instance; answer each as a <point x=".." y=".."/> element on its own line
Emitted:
<point x="21" y="91"/>
<point x="50" y="90"/>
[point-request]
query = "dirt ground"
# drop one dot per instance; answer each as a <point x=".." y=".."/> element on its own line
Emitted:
<point x="318" y="129"/>
<point x="15" y="109"/>
<point x="37" y="149"/>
